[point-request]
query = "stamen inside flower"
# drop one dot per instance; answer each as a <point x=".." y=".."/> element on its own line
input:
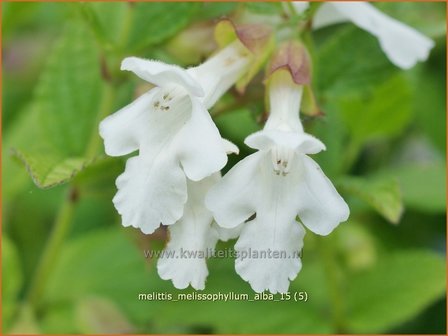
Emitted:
<point x="164" y="99"/>
<point x="281" y="160"/>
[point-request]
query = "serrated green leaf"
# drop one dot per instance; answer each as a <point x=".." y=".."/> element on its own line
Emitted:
<point x="383" y="195"/>
<point x="395" y="290"/>
<point x="155" y="22"/>
<point x="378" y="114"/>
<point x="65" y="110"/>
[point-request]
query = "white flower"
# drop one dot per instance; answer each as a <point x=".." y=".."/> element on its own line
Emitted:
<point x="174" y="134"/>
<point x="277" y="183"/>
<point x="191" y="239"/>
<point x="403" y="45"/>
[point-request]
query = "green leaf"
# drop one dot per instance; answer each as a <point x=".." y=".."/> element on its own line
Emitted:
<point x="395" y="290"/>
<point x="155" y="22"/>
<point x="378" y="114"/>
<point x="430" y="102"/>
<point x="11" y="282"/>
<point x="65" y="109"/>
<point x="337" y="74"/>
<point x="422" y="185"/>
<point x="109" y="20"/>
<point x="101" y="263"/>
<point x="427" y="17"/>
<point x="381" y="194"/>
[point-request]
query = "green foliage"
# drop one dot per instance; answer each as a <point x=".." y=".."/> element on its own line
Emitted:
<point x="122" y="275"/>
<point x="383" y="195"/>
<point x="388" y="274"/>
<point x="379" y="114"/>
<point x="65" y="106"/>
<point x="422" y="185"/>
<point x="396" y="289"/>
<point x="156" y="22"/>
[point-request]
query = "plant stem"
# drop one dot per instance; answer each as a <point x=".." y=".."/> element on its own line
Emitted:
<point x="327" y="252"/>
<point x="52" y="248"/>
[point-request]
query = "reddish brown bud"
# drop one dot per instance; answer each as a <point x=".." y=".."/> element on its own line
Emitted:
<point x="293" y="57"/>
<point x="254" y="37"/>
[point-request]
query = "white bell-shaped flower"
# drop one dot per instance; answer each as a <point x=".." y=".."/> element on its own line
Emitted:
<point x="276" y="184"/>
<point x="174" y="134"/>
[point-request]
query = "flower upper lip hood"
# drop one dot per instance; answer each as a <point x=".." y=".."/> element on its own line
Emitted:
<point x="403" y="45"/>
<point x="162" y="75"/>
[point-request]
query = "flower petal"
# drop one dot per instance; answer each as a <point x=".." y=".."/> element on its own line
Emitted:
<point x="201" y="150"/>
<point x="403" y="45"/>
<point x="273" y="229"/>
<point x="123" y="130"/>
<point x="221" y="71"/>
<point x="280" y="237"/>
<point x="302" y="142"/>
<point x="191" y="239"/>
<point x="321" y="208"/>
<point x="232" y="199"/>
<point x="151" y="192"/>
<point x="162" y="74"/>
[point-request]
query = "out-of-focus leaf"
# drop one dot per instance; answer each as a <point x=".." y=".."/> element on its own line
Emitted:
<point x="66" y="105"/>
<point x="237" y="125"/>
<point x="379" y="114"/>
<point x="109" y="19"/>
<point x="337" y="74"/>
<point x="394" y="290"/>
<point x="427" y="17"/>
<point x="212" y="10"/>
<point x="59" y="318"/>
<point x="97" y="315"/>
<point x="357" y="244"/>
<point x="430" y="99"/>
<point x="11" y="282"/>
<point x="102" y="263"/>
<point x="423" y="185"/>
<point x="383" y="195"/>
<point x="155" y="22"/>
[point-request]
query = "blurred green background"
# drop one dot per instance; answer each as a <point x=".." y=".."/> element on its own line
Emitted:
<point x="383" y="271"/>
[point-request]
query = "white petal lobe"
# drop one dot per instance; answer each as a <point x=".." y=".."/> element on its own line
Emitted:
<point x="123" y="131"/>
<point x="150" y="193"/>
<point x="191" y="239"/>
<point x="233" y="199"/>
<point x="201" y="150"/>
<point x="321" y="208"/>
